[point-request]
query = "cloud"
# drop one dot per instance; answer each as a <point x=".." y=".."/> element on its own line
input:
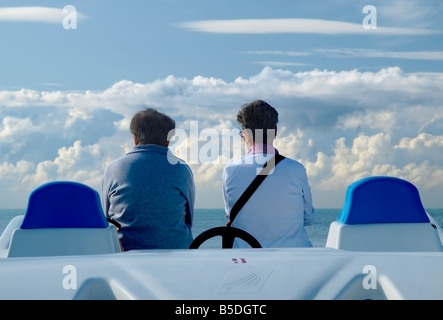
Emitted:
<point x="356" y="52"/>
<point x="269" y="26"/>
<point x="341" y="125"/>
<point x="36" y="14"/>
<point x="373" y="53"/>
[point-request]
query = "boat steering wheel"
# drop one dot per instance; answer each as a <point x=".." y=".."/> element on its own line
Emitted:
<point x="228" y="234"/>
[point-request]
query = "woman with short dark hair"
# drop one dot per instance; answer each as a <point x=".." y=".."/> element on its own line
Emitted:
<point x="278" y="211"/>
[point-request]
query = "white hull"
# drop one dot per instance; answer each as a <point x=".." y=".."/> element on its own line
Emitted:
<point x="216" y="274"/>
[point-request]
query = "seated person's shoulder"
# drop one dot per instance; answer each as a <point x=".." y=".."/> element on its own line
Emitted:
<point x="293" y="165"/>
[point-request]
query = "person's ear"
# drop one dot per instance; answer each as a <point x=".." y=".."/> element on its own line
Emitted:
<point x="135" y="139"/>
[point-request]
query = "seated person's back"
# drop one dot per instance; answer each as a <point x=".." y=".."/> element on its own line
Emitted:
<point x="149" y="191"/>
<point x="282" y="205"/>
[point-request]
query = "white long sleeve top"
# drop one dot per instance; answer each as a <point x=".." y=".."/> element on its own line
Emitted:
<point x="281" y="206"/>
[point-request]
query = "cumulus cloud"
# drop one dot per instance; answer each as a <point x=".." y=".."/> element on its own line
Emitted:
<point x="342" y="126"/>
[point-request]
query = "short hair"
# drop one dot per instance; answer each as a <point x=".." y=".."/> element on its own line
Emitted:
<point x="150" y="126"/>
<point x="258" y="116"/>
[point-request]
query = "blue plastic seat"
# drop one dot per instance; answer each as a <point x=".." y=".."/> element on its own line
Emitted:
<point x="64" y="204"/>
<point x="383" y="213"/>
<point x="62" y="218"/>
<point x="382" y="199"/>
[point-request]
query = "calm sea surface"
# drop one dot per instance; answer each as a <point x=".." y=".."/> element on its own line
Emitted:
<point x="318" y="232"/>
<point x="209" y="218"/>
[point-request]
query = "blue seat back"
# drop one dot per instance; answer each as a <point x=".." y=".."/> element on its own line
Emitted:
<point x="64" y="204"/>
<point x="382" y="199"/>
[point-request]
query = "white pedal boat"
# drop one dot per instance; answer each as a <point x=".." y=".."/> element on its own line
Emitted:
<point x="383" y="245"/>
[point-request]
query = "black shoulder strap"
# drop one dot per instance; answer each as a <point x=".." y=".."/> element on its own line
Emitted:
<point x="267" y="167"/>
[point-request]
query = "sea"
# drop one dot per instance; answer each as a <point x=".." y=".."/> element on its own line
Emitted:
<point x="209" y="218"/>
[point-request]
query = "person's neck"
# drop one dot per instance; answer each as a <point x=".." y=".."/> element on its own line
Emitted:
<point x="262" y="148"/>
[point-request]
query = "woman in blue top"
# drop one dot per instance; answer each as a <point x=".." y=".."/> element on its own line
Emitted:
<point x="282" y="205"/>
<point x="149" y="191"/>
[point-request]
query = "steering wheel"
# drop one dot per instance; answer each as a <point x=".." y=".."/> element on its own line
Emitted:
<point x="228" y="234"/>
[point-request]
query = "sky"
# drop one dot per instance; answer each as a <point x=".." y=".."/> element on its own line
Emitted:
<point x="357" y="84"/>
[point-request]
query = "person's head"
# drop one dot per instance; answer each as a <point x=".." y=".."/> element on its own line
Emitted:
<point x="260" y="119"/>
<point x="150" y="126"/>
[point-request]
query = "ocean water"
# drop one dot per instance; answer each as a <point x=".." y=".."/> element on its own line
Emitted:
<point x="210" y="218"/>
<point x="318" y="232"/>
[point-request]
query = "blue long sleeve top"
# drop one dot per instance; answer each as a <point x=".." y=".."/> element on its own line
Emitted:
<point x="151" y="193"/>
